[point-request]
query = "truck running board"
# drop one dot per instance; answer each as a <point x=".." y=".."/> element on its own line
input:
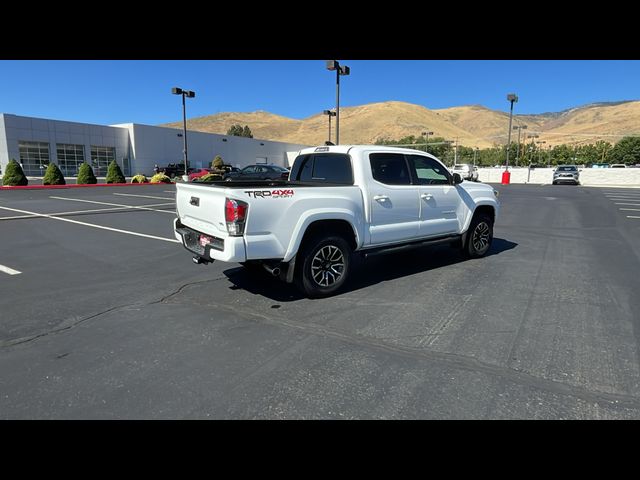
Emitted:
<point x="407" y="246"/>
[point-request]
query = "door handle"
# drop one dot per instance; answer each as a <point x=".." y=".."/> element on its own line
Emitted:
<point x="426" y="196"/>
<point x="381" y="198"/>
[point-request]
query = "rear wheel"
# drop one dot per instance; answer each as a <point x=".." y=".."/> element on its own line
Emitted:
<point x="479" y="236"/>
<point x="325" y="265"/>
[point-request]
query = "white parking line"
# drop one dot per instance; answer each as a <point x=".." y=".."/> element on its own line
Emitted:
<point x="172" y="240"/>
<point x="632" y="204"/>
<point x="8" y="270"/>
<point x="172" y="212"/>
<point x="143" y="196"/>
<point x="632" y="216"/>
<point x="56" y="214"/>
<point x="631" y="209"/>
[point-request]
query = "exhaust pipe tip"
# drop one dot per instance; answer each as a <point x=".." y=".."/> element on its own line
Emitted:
<point x="275" y="271"/>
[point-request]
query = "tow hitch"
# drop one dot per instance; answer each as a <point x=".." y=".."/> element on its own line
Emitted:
<point x="200" y="261"/>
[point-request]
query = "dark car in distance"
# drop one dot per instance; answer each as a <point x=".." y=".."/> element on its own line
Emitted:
<point x="258" y="172"/>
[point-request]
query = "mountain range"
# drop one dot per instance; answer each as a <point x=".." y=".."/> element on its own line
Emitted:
<point x="470" y="125"/>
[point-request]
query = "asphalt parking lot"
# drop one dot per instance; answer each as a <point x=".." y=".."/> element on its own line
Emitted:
<point x="103" y="316"/>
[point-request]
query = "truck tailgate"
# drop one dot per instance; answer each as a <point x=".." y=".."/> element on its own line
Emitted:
<point x="201" y="207"/>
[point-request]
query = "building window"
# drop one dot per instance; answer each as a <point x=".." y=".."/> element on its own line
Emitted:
<point x="34" y="157"/>
<point x="70" y="157"/>
<point x="101" y="157"/>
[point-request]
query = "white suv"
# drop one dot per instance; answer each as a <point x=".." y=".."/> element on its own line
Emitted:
<point x="466" y="171"/>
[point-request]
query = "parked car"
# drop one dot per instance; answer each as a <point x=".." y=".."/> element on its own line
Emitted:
<point x="566" y="174"/>
<point x="175" y="170"/>
<point x="200" y="173"/>
<point x="258" y="172"/>
<point x="340" y="202"/>
<point x="466" y="171"/>
<point x="618" y="165"/>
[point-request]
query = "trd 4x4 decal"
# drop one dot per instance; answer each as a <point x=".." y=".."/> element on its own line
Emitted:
<point x="269" y="193"/>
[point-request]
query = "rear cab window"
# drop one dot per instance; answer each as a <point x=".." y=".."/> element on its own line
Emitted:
<point x="323" y="168"/>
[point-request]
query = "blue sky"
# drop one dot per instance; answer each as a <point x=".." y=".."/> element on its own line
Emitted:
<point x="108" y="92"/>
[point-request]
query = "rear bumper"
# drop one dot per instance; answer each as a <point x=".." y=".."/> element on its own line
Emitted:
<point x="566" y="180"/>
<point x="229" y="249"/>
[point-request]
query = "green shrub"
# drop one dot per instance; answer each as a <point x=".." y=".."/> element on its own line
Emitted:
<point x="217" y="162"/>
<point x="139" y="178"/>
<point x="209" y="177"/>
<point x="14" y="175"/>
<point x="53" y="176"/>
<point x="114" y="174"/>
<point x="160" y="178"/>
<point x="86" y="175"/>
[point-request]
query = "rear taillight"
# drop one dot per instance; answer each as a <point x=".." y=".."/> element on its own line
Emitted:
<point x="285" y="175"/>
<point x="235" y="213"/>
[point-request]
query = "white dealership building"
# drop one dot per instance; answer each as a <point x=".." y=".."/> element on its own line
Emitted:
<point x="34" y="142"/>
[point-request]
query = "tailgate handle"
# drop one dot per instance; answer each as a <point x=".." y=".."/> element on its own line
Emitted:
<point x="195" y="201"/>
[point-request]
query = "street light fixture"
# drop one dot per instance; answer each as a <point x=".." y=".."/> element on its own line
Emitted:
<point x="426" y="145"/>
<point x="331" y="113"/>
<point x="190" y="94"/>
<point x="340" y="70"/>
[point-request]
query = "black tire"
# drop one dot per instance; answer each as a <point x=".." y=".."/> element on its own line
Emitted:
<point x="324" y="265"/>
<point x="554" y="183"/>
<point x="479" y="236"/>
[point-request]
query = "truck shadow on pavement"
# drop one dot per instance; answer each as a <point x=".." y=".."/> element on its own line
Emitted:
<point x="365" y="273"/>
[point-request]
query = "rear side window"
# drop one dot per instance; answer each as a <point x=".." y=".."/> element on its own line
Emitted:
<point x="390" y="168"/>
<point x="323" y="168"/>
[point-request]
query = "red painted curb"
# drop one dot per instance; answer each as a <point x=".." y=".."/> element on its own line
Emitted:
<point x="36" y="187"/>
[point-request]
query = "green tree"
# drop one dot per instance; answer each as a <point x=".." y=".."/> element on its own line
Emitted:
<point x="603" y="150"/>
<point x="14" y="175"/>
<point x="238" y="130"/>
<point x="626" y="150"/>
<point x="53" y="176"/>
<point x="114" y="174"/>
<point x="86" y="175"/>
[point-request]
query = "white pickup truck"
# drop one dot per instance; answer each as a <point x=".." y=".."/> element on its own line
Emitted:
<point x="339" y="201"/>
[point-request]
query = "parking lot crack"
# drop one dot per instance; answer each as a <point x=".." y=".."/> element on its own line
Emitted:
<point x="451" y="360"/>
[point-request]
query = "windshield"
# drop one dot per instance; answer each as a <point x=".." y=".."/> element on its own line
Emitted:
<point x="567" y="169"/>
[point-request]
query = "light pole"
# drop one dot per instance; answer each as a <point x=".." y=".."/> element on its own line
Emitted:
<point x="331" y="113"/>
<point x="519" y="128"/>
<point x="512" y="98"/>
<point x="532" y="137"/>
<point x="190" y="94"/>
<point x="475" y="154"/>
<point x="340" y="70"/>
<point x="426" y="145"/>
<point x="540" y="149"/>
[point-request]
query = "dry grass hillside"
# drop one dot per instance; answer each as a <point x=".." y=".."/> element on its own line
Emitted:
<point x="472" y="125"/>
<point x="263" y="125"/>
<point x="376" y="121"/>
<point x="585" y="124"/>
<point x="489" y="125"/>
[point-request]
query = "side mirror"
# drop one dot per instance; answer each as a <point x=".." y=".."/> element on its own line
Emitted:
<point x="457" y="178"/>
